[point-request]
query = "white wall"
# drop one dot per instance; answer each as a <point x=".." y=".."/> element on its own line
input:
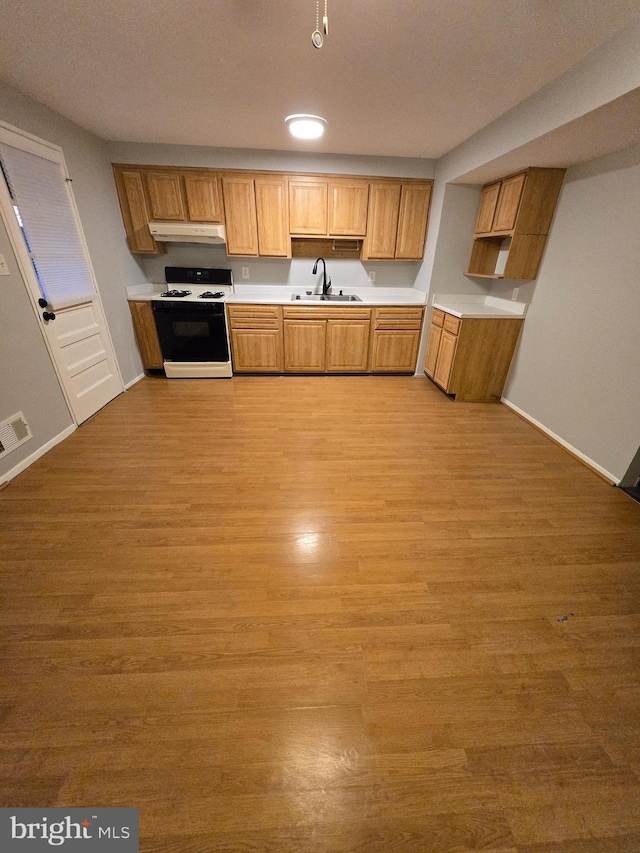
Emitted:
<point x="577" y="367"/>
<point x="94" y="190"/>
<point x="28" y="383"/>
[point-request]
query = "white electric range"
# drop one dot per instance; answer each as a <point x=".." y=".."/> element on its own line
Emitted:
<point x="191" y="324"/>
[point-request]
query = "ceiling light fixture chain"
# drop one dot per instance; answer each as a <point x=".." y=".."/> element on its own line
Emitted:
<point x="317" y="39"/>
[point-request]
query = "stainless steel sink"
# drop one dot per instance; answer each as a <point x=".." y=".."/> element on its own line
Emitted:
<point x="329" y="297"/>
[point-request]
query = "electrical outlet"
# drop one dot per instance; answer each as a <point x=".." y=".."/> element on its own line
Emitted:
<point x="4" y="269"/>
<point x="514" y="295"/>
<point x="372" y="276"/>
<point x="245" y="272"/>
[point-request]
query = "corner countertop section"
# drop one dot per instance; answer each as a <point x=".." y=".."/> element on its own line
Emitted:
<point x="479" y="307"/>
<point x="281" y="295"/>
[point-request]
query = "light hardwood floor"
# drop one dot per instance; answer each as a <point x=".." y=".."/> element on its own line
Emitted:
<point x="320" y="614"/>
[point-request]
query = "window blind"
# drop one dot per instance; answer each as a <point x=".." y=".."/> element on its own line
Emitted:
<point x="47" y="218"/>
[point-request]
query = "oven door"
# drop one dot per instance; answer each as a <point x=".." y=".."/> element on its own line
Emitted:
<point x="191" y="332"/>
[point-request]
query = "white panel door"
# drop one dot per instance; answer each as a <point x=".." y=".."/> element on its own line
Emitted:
<point x="49" y="244"/>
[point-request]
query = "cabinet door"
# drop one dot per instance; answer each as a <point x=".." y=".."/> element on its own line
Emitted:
<point x="488" y="202"/>
<point x="347" y="346"/>
<point x="435" y="333"/>
<point x="394" y="352"/>
<point x="304" y="346"/>
<point x="204" y="200"/>
<point x="348" y="201"/>
<point x="146" y="334"/>
<point x="271" y="210"/>
<point x="412" y="221"/>
<point x="307" y="207"/>
<point x="508" y="203"/>
<point x="257" y="350"/>
<point x="135" y="214"/>
<point x="446" y="354"/>
<point x="165" y="196"/>
<point x="382" y="222"/>
<point x="240" y="216"/>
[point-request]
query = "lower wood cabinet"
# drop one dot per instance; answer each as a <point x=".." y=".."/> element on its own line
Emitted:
<point x="146" y="334"/>
<point x="324" y="339"/>
<point x="395" y="339"/>
<point x="256" y="338"/>
<point x="470" y="358"/>
<point x="331" y="340"/>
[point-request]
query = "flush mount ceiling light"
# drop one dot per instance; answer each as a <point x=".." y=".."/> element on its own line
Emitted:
<point x="305" y="126"/>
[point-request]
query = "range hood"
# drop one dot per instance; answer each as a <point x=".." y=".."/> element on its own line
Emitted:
<point x="187" y="232"/>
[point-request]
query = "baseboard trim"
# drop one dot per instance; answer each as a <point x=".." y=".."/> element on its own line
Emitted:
<point x="133" y="381"/>
<point x="21" y="466"/>
<point x="573" y="451"/>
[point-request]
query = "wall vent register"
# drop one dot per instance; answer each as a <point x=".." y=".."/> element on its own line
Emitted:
<point x="13" y="432"/>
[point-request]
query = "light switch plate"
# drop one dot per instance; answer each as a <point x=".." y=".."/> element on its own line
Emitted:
<point x="4" y="269"/>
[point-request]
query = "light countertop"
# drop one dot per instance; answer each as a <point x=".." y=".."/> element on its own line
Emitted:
<point x="281" y="295"/>
<point x="479" y="307"/>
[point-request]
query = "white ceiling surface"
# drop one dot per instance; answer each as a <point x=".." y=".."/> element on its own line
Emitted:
<point x="412" y="78"/>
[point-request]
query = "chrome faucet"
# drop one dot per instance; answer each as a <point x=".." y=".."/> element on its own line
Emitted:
<point x="326" y="282"/>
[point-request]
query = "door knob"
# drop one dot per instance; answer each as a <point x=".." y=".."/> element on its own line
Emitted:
<point x="48" y="315"/>
<point x="42" y="302"/>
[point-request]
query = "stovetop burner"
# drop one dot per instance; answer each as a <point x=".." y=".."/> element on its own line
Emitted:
<point x="209" y="295"/>
<point x="175" y="294"/>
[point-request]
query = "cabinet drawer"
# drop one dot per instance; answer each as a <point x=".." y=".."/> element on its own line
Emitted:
<point x="451" y="324"/>
<point x="254" y="323"/>
<point x="397" y="324"/>
<point x="237" y="312"/>
<point x="328" y="313"/>
<point x="399" y="312"/>
<point x="437" y="318"/>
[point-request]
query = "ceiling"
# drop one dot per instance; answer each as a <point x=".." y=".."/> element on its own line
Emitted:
<point x="413" y="78"/>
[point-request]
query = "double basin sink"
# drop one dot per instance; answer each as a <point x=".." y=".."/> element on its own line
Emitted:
<point x="325" y="297"/>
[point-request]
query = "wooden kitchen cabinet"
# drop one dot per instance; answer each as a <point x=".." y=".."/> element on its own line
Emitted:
<point x="513" y="223"/>
<point x="203" y="197"/>
<point x="305" y="345"/>
<point x="347" y="349"/>
<point x="256" y="216"/>
<point x="240" y="215"/>
<point x="134" y="206"/>
<point x="395" y="339"/>
<point x="348" y="201"/>
<point x="165" y="196"/>
<point x="326" y="339"/>
<point x="146" y="334"/>
<point x="413" y="217"/>
<point x="256" y="338"/>
<point x="272" y="214"/>
<point x="397" y="220"/>
<point x="470" y="358"/>
<point x="308" y="200"/>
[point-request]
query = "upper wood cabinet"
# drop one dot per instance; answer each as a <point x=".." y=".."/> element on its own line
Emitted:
<point x="513" y="223"/>
<point x="308" y="206"/>
<point x="412" y="221"/>
<point x="348" y="202"/>
<point x="486" y="212"/>
<point x="256" y="216"/>
<point x="165" y="196"/>
<point x="382" y="225"/>
<point x="397" y="220"/>
<point x="240" y="212"/>
<point x="134" y="207"/>
<point x="272" y="214"/>
<point x="262" y="211"/>
<point x="203" y="197"/>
